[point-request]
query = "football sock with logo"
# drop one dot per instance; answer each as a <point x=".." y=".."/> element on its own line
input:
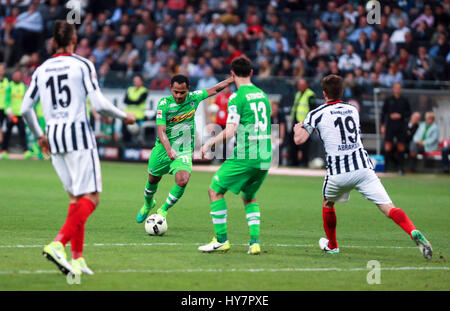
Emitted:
<point x="219" y="219"/>
<point x="77" y="216"/>
<point x="174" y="195"/>
<point x="253" y="220"/>
<point x="329" y="225"/>
<point x="401" y="219"/>
<point x="149" y="192"/>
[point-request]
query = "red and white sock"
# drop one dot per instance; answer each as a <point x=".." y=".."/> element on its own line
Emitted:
<point x="329" y="225"/>
<point x="74" y="225"/>
<point x="401" y="219"/>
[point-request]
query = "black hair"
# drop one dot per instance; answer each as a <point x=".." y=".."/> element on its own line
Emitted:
<point x="63" y="33"/>
<point x="180" y="79"/>
<point x="333" y="86"/>
<point x="241" y="66"/>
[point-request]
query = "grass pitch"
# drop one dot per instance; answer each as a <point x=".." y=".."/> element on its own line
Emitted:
<point x="33" y="206"/>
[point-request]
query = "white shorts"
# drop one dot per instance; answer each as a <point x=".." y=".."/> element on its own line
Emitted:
<point x="79" y="171"/>
<point x="336" y="188"/>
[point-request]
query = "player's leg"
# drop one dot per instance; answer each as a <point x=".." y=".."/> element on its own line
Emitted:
<point x="401" y="155"/>
<point x="329" y="244"/>
<point x="388" y="154"/>
<point x="372" y="188"/>
<point x="7" y="136"/>
<point x="149" y="192"/>
<point x="218" y="213"/>
<point x="158" y="165"/>
<point x="177" y="191"/>
<point x="252" y="210"/>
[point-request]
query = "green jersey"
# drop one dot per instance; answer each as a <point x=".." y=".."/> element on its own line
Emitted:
<point x="249" y="107"/>
<point x="179" y="120"/>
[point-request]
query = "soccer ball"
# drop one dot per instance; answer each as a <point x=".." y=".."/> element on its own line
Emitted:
<point x="155" y="225"/>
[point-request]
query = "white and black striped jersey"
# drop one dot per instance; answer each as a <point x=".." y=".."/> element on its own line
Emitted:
<point x="338" y="127"/>
<point x="63" y="83"/>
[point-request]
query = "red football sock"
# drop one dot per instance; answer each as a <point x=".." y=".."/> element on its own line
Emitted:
<point x="76" y="218"/>
<point x="401" y="219"/>
<point x="76" y="243"/>
<point x="329" y="225"/>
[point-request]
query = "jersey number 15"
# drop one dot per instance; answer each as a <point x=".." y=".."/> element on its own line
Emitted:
<point x="61" y="89"/>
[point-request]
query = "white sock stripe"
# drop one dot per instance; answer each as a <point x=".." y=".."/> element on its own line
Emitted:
<point x="257" y="214"/>
<point x="219" y="221"/>
<point x="170" y="202"/>
<point x="222" y="212"/>
<point x="174" y="199"/>
<point x="253" y="222"/>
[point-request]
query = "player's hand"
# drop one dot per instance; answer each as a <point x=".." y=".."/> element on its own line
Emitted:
<point x="172" y="154"/>
<point x="230" y="80"/>
<point x="383" y="130"/>
<point x="298" y="126"/>
<point x="130" y="119"/>
<point x="43" y="144"/>
<point x="395" y="116"/>
<point x="203" y="150"/>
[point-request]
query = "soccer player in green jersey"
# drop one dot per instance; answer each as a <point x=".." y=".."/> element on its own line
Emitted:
<point x="249" y="120"/>
<point x="174" y="145"/>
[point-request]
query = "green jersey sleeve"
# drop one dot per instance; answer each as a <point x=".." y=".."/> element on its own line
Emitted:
<point x="198" y="96"/>
<point x="161" y="112"/>
<point x="234" y="114"/>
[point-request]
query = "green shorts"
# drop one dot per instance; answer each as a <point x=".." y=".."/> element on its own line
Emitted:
<point x="160" y="164"/>
<point x="236" y="177"/>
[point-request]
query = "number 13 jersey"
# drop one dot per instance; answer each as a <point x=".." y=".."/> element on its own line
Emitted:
<point x="62" y="83"/>
<point x="337" y="125"/>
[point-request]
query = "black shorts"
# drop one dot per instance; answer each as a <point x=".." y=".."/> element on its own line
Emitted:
<point x="2" y="117"/>
<point x="398" y="135"/>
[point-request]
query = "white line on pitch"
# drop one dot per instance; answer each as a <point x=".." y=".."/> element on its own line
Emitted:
<point x="216" y="270"/>
<point x="196" y="244"/>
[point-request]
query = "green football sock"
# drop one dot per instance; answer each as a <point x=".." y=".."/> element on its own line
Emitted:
<point x="150" y="190"/>
<point x="219" y="219"/>
<point x="253" y="220"/>
<point x="174" y="195"/>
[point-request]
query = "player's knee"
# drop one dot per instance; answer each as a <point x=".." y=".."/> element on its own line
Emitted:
<point x="328" y="204"/>
<point x="214" y="196"/>
<point x="182" y="180"/>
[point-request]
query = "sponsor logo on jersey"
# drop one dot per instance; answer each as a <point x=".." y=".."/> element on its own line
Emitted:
<point x="192" y="104"/>
<point x="199" y="92"/>
<point x="251" y="96"/>
<point x="183" y="117"/>
<point x="159" y="114"/>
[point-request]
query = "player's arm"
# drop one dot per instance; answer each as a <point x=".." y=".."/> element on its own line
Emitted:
<point x="161" y="127"/>
<point x="29" y="115"/>
<point x="219" y="86"/>
<point x="99" y="102"/>
<point x="303" y="130"/>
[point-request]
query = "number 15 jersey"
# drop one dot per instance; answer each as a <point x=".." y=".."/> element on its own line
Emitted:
<point x="62" y="83"/>
<point x="339" y="130"/>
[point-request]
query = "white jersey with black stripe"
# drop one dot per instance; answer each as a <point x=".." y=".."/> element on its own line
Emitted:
<point x="338" y="127"/>
<point x="62" y="84"/>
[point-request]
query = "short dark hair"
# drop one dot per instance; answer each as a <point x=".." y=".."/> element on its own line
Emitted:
<point x="241" y="66"/>
<point x="63" y="33"/>
<point x="180" y="79"/>
<point x="333" y="86"/>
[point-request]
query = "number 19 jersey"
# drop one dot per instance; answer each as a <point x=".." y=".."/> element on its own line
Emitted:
<point x="338" y="127"/>
<point x="62" y="83"/>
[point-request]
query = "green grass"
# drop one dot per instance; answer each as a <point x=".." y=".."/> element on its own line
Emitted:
<point x="33" y="206"/>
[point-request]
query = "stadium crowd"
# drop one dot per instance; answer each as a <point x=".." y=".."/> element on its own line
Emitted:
<point x="294" y="39"/>
<point x="290" y="38"/>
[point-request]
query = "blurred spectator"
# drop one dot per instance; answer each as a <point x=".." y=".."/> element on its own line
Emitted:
<point x="362" y="44"/>
<point x="304" y="101"/>
<point x="207" y="80"/>
<point x="151" y="67"/>
<point x="387" y="46"/>
<point x="395" y="114"/>
<point x="135" y="100"/>
<point x="83" y="48"/>
<point x="363" y="27"/>
<point x="215" y="25"/>
<point x="265" y="68"/>
<point x="233" y="52"/>
<point x="50" y="13"/>
<point x="140" y="37"/>
<point x="331" y="18"/>
<point x="106" y="134"/>
<point x="200" y="67"/>
<point x="186" y="66"/>
<point x="350" y="13"/>
<point x="413" y="125"/>
<point x="421" y="67"/>
<point x="162" y="80"/>
<point x="397" y="16"/>
<point x="393" y="75"/>
<point x="221" y="100"/>
<point x="349" y="61"/>
<point x="369" y="61"/>
<point x="426" y="16"/>
<point x="398" y="36"/>
<point x="237" y="26"/>
<point x="13" y="101"/>
<point x="426" y="139"/>
<point x="29" y="27"/>
<point x="324" y="44"/>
